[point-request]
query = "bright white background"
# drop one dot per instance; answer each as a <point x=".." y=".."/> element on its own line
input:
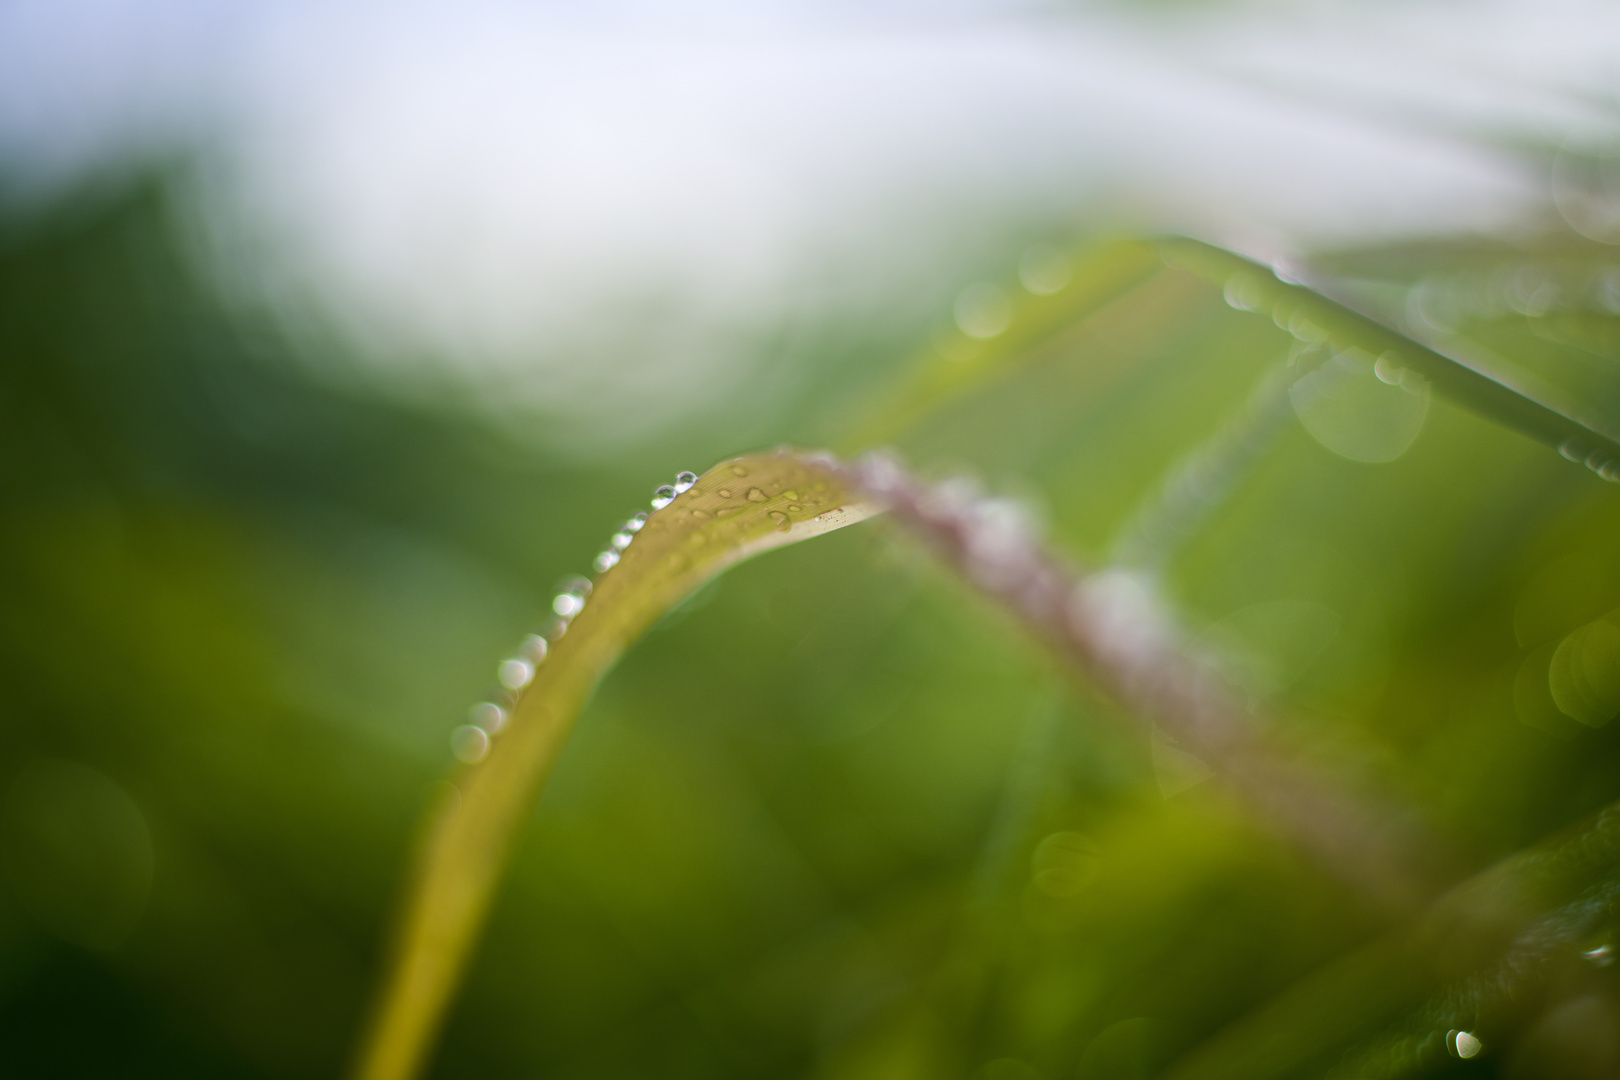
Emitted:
<point x="600" y="217"/>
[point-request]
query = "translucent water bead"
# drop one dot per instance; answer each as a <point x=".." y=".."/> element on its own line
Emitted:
<point x="469" y="743"/>
<point x="571" y="600"/>
<point x="684" y="480"/>
<point x="606" y="561"/>
<point x="515" y="674"/>
<point x="663" y="495"/>
<point x="627" y="532"/>
<point x="487" y="716"/>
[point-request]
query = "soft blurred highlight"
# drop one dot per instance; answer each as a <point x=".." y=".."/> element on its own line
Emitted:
<point x="336" y="338"/>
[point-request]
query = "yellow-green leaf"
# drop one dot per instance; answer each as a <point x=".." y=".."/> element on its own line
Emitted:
<point x="739" y="508"/>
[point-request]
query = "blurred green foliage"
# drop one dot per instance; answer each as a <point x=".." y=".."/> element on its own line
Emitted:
<point x="834" y="817"/>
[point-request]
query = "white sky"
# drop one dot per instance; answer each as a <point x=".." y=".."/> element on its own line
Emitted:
<point x="602" y="216"/>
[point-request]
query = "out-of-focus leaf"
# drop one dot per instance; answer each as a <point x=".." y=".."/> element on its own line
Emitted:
<point x="1508" y="397"/>
<point x="739" y="508"/>
<point x="958" y="361"/>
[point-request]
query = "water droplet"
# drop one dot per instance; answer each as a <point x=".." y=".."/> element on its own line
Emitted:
<point x="790" y="494"/>
<point x="533" y="649"/>
<point x="738" y="470"/>
<point x="1244" y="292"/>
<point x="1572" y="449"/>
<point x="1350" y="411"/>
<point x="663" y="495"/>
<point x="469" y="743"/>
<point x="795" y="509"/>
<point x="1301" y="326"/>
<point x="1388" y="369"/>
<point x="726" y="510"/>
<point x="488" y="716"/>
<point x="568" y="604"/>
<point x="724" y="493"/>
<point x="684" y="481"/>
<point x="702" y="515"/>
<point x="782" y="522"/>
<point x="1044" y="270"/>
<point x="515" y="674"/>
<point x="1583" y="675"/>
<point x="621" y="539"/>
<point x="635" y="523"/>
<point x="756" y="495"/>
<point x="606" y="561"/>
<point x="983" y="310"/>
<point x="1463" y="1044"/>
<point x="1602" y="956"/>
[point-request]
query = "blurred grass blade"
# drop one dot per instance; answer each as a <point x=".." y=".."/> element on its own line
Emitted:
<point x="1515" y="930"/>
<point x="1497" y="392"/>
<point x="957" y="363"/>
<point x="739" y="508"/>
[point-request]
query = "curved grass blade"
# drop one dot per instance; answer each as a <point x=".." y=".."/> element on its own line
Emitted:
<point x="1504" y="396"/>
<point x="739" y="508"/>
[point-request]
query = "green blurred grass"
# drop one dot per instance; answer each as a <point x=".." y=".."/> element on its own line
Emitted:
<point x="800" y="831"/>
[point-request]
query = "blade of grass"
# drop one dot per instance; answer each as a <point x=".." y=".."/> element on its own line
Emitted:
<point x="1492" y="941"/>
<point x="739" y="508"/>
<point x="1115" y="631"/>
<point x="1499" y="395"/>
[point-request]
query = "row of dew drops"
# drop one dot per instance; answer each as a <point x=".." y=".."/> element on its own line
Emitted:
<point x="471" y="741"/>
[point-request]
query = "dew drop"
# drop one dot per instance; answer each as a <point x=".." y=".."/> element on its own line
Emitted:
<point x="1243" y="292"/>
<point x="634" y="524"/>
<point x="533" y="649"/>
<point x="469" y="743"/>
<point x="795" y="509"/>
<point x="702" y="515"/>
<point x="1388" y="369"/>
<point x="684" y="481"/>
<point x="488" y="716"/>
<point x="663" y="495"/>
<point x="983" y="310"/>
<point x="622" y="538"/>
<point x="738" y="470"/>
<point x="568" y="604"/>
<point x="756" y="495"/>
<point x="790" y="495"/>
<point x="1464" y="1044"/>
<point x="724" y="493"/>
<point x="725" y="510"/>
<point x="1043" y="270"/>
<point x="515" y="674"/>
<point x="606" y="561"/>
<point x="782" y="522"/>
